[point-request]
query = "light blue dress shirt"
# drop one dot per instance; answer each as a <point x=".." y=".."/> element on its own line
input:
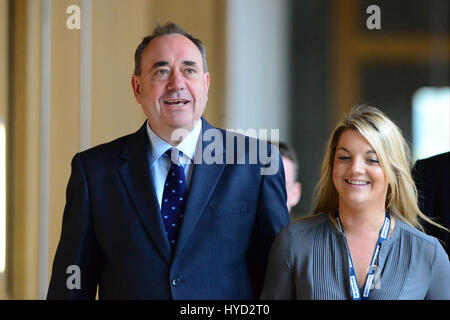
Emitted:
<point x="160" y="162"/>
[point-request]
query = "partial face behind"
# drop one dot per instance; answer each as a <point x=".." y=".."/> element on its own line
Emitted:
<point x="293" y="188"/>
<point x="172" y="88"/>
<point x="357" y="175"/>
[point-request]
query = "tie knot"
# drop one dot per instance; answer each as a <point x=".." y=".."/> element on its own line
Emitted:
<point x="174" y="155"/>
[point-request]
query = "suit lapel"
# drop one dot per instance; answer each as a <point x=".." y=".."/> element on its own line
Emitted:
<point x="203" y="182"/>
<point x="137" y="178"/>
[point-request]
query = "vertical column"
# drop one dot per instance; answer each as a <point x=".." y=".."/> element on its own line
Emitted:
<point x="85" y="74"/>
<point x="257" y="65"/>
<point x="4" y="20"/>
<point x="24" y="151"/>
<point x="44" y="185"/>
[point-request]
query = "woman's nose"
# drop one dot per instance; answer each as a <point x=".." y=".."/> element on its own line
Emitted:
<point x="357" y="166"/>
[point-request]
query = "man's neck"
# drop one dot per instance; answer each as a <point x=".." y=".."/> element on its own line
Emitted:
<point x="173" y="136"/>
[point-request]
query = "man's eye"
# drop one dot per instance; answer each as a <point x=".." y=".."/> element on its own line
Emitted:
<point x="191" y="71"/>
<point x="161" y="72"/>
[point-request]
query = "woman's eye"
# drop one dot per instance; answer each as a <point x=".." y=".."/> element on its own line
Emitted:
<point x="373" y="161"/>
<point x="344" y="158"/>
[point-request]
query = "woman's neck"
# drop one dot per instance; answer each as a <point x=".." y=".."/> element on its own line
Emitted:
<point x="361" y="221"/>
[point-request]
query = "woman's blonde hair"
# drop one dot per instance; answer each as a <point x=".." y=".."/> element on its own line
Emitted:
<point x="394" y="156"/>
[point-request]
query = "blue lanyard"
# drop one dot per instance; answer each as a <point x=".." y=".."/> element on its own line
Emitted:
<point x="368" y="286"/>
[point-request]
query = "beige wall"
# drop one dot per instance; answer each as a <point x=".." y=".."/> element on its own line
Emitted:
<point x="117" y="28"/>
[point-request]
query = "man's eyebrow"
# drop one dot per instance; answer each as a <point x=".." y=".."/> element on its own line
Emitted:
<point x="190" y="63"/>
<point x="160" y="64"/>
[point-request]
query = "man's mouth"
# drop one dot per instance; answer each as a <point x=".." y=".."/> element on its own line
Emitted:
<point x="357" y="182"/>
<point x="176" y="102"/>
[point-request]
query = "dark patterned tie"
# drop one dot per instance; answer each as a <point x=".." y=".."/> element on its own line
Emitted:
<point x="173" y="200"/>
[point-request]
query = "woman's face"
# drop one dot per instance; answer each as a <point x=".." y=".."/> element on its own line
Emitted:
<point x="357" y="174"/>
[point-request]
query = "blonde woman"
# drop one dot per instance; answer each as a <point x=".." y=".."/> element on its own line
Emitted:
<point x="364" y="240"/>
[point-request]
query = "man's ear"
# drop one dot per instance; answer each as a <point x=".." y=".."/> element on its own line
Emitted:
<point x="136" y="85"/>
<point x="206" y="78"/>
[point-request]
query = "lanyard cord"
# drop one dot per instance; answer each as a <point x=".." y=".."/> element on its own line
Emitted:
<point x="373" y="264"/>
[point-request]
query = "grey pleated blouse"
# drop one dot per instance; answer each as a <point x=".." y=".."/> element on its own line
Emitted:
<point x="309" y="260"/>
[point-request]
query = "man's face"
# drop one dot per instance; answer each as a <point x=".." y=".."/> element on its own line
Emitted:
<point x="172" y="87"/>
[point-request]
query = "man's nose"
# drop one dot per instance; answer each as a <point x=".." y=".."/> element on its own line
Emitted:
<point x="176" y="81"/>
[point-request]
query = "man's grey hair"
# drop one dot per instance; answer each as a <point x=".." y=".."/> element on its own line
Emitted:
<point x="162" y="30"/>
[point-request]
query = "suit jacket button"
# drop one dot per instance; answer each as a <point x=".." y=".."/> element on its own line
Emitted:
<point x="175" y="282"/>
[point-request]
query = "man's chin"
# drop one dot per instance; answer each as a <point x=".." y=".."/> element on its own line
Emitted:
<point x="182" y="122"/>
<point x="182" y="125"/>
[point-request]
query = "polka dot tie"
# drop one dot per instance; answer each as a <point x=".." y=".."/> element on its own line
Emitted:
<point x="173" y="200"/>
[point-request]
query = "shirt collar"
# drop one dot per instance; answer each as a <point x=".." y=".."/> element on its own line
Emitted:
<point x="187" y="146"/>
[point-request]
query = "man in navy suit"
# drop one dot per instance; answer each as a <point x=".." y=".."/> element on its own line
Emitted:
<point x="432" y="178"/>
<point x="117" y="231"/>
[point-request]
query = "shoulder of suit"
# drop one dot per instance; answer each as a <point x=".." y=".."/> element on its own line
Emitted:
<point x="113" y="146"/>
<point x="438" y="161"/>
<point x="238" y="136"/>
<point x="235" y="137"/>
<point x="106" y="154"/>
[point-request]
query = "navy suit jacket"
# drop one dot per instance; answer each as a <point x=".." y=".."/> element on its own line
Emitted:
<point x="432" y="177"/>
<point x="113" y="231"/>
